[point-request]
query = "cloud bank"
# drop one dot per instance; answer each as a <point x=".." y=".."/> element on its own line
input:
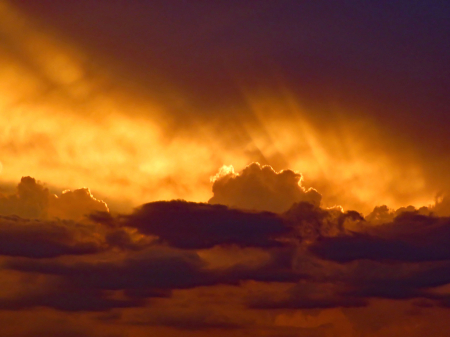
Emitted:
<point x="78" y="258"/>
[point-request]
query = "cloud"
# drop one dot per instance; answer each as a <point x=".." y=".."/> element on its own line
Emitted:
<point x="357" y="284"/>
<point x="369" y="279"/>
<point x="46" y="239"/>
<point x="328" y="258"/>
<point x="410" y="237"/>
<point x="279" y="268"/>
<point x="75" y="205"/>
<point x="307" y="295"/>
<point x="34" y="201"/>
<point x="154" y="272"/>
<point x="383" y="214"/>
<point x="31" y="200"/>
<point x="185" y="319"/>
<point x="442" y="205"/>
<point x="150" y="273"/>
<point x="90" y="285"/>
<point x="49" y="323"/>
<point x="65" y="298"/>
<point x="190" y="225"/>
<point x="348" y="262"/>
<point x="35" y="223"/>
<point x="260" y="188"/>
<point x="310" y="222"/>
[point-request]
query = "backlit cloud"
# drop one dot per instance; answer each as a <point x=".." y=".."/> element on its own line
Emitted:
<point x="34" y="200"/>
<point x="261" y="188"/>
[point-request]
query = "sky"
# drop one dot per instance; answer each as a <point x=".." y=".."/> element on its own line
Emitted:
<point x="237" y="168"/>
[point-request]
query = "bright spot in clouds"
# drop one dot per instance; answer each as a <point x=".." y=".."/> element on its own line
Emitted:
<point x="71" y="123"/>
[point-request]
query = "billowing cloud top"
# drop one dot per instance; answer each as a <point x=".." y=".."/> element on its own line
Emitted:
<point x="33" y="200"/>
<point x="260" y="188"/>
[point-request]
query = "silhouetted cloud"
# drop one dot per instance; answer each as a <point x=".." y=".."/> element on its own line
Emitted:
<point x="383" y="214"/>
<point x="45" y="239"/>
<point x="154" y="272"/>
<point x="84" y="286"/>
<point x="194" y="226"/>
<point x="369" y="279"/>
<point x="356" y="285"/>
<point x="410" y="237"/>
<point x="161" y="268"/>
<point x="310" y="222"/>
<point x="261" y="188"/>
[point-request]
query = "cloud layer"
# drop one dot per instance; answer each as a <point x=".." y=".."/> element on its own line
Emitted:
<point x="79" y="258"/>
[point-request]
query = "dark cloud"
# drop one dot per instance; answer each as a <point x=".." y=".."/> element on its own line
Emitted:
<point x="404" y="259"/>
<point x="383" y="214"/>
<point x="127" y="240"/>
<point x="356" y="284"/>
<point x="310" y="222"/>
<point x="368" y="279"/>
<point x="45" y="239"/>
<point x="87" y="286"/>
<point x="195" y="226"/>
<point x="261" y="188"/>
<point x="160" y="268"/>
<point x="66" y="298"/>
<point x="34" y="238"/>
<point x="410" y="237"/>
<point x="152" y="273"/>
<point x="308" y="295"/>
<point x="328" y="258"/>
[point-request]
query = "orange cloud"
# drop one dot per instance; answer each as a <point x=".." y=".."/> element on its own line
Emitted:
<point x="261" y="188"/>
<point x="33" y="200"/>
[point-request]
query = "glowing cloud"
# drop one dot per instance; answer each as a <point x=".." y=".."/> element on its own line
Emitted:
<point x="34" y="200"/>
<point x="260" y="188"/>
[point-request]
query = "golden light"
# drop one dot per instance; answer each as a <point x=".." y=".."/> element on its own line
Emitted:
<point x="70" y="123"/>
